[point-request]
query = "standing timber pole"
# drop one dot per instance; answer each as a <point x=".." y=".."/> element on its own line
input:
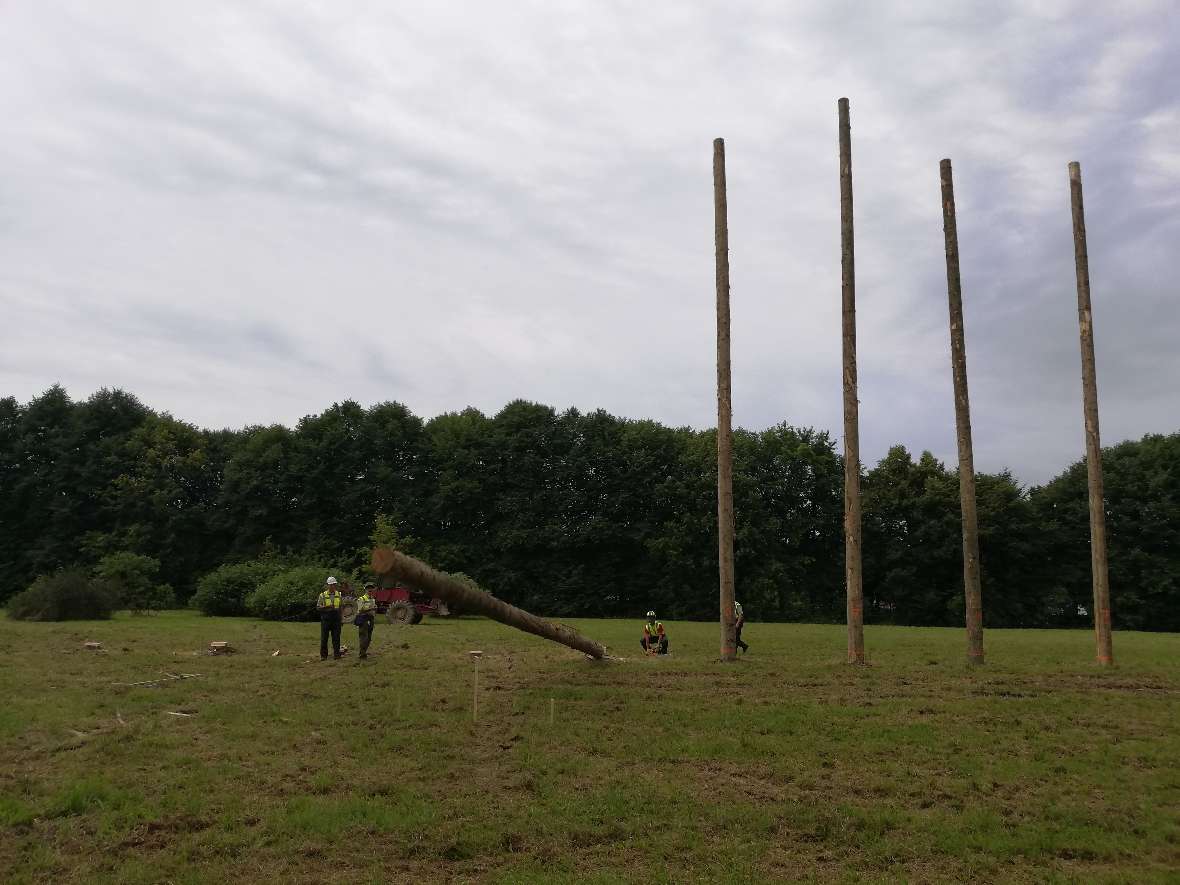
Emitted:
<point x="852" y="521"/>
<point x="973" y="596"/>
<point x="1098" y="564"/>
<point x="724" y="409"/>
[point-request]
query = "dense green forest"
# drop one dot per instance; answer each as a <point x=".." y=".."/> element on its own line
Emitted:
<point x="576" y="514"/>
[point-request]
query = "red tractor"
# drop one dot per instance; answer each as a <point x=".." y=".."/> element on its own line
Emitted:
<point x="399" y="604"/>
<point x="403" y="605"/>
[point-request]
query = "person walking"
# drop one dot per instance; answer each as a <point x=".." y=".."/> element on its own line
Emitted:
<point x="739" y="621"/>
<point x="328" y="605"/>
<point x="366" y="608"/>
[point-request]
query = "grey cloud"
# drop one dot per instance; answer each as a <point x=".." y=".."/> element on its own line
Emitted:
<point x="461" y="206"/>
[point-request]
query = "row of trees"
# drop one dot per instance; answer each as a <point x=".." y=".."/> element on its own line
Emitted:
<point x="574" y="514"/>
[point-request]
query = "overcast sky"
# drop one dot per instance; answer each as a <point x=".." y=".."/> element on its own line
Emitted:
<point x="243" y="212"/>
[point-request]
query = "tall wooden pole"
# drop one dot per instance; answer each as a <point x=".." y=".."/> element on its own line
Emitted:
<point x="724" y="410"/>
<point x="852" y="527"/>
<point x="1098" y="563"/>
<point x="971" y="589"/>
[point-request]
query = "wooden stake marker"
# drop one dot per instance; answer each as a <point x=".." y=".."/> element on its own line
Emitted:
<point x="475" y="657"/>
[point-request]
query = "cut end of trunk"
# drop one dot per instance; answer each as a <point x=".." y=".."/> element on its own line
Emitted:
<point x="382" y="560"/>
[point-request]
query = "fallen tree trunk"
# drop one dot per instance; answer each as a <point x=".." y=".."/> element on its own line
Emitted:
<point x="409" y="570"/>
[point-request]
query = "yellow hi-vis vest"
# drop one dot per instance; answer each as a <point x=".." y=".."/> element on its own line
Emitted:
<point x="656" y="629"/>
<point x="329" y="599"/>
<point x="365" y="603"/>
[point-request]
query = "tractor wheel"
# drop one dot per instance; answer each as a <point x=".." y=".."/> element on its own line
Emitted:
<point x="417" y="617"/>
<point x="401" y="613"/>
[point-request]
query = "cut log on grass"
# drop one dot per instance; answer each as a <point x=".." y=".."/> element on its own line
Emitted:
<point x="416" y="573"/>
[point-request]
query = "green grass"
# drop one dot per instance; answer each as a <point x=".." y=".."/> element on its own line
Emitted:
<point x="788" y="765"/>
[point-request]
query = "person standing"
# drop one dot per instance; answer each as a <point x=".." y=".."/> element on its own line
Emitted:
<point x="328" y="605"/>
<point x="739" y="621"/>
<point x="366" y="608"/>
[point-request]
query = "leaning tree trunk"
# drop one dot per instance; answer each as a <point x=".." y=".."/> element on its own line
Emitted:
<point x="413" y="571"/>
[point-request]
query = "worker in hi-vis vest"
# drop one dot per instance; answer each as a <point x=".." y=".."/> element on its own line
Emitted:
<point x="328" y="605"/>
<point x="655" y="640"/>
<point x="366" y="608"/>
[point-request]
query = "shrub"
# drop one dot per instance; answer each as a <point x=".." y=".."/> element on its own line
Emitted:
<point x="290" y="595"/>
<point x="67" y="595"/>
<point x="224" y="590"/>
<point x="156" y="598"/>
<point x="133" y="578"/>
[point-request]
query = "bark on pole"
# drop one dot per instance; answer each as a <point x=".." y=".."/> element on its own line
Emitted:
<point x="389" y="562"/>
<point x="724" y="410"/>
<point x="852" y="520"/>
<point x="1098" y="563"/>
<point x="971" y="588"/>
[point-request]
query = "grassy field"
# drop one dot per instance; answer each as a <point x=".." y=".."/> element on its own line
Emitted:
<point x="788" y="765"/>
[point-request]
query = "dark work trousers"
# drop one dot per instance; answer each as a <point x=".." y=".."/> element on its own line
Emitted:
<point x="364" y="629"/>
<point x="738" y="636"/>
<point x="329" y="623"/>
<point x="660" y="648"/>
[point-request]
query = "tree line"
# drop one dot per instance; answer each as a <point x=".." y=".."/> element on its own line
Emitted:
<point x="571" y="513"/>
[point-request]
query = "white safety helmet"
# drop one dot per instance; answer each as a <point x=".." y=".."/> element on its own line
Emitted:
<point x="331" y="582"/>
<point x="651" y="614"/>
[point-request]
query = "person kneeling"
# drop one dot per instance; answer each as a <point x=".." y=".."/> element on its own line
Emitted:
<point x="655" y="640"/>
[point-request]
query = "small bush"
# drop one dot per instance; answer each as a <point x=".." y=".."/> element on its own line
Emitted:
<point x="156" y="598"/>
<point x="67" y="595"/>
<point x="224" y="590"/>
<point x="289" y="596"/>
<point x="133" y="578"/>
